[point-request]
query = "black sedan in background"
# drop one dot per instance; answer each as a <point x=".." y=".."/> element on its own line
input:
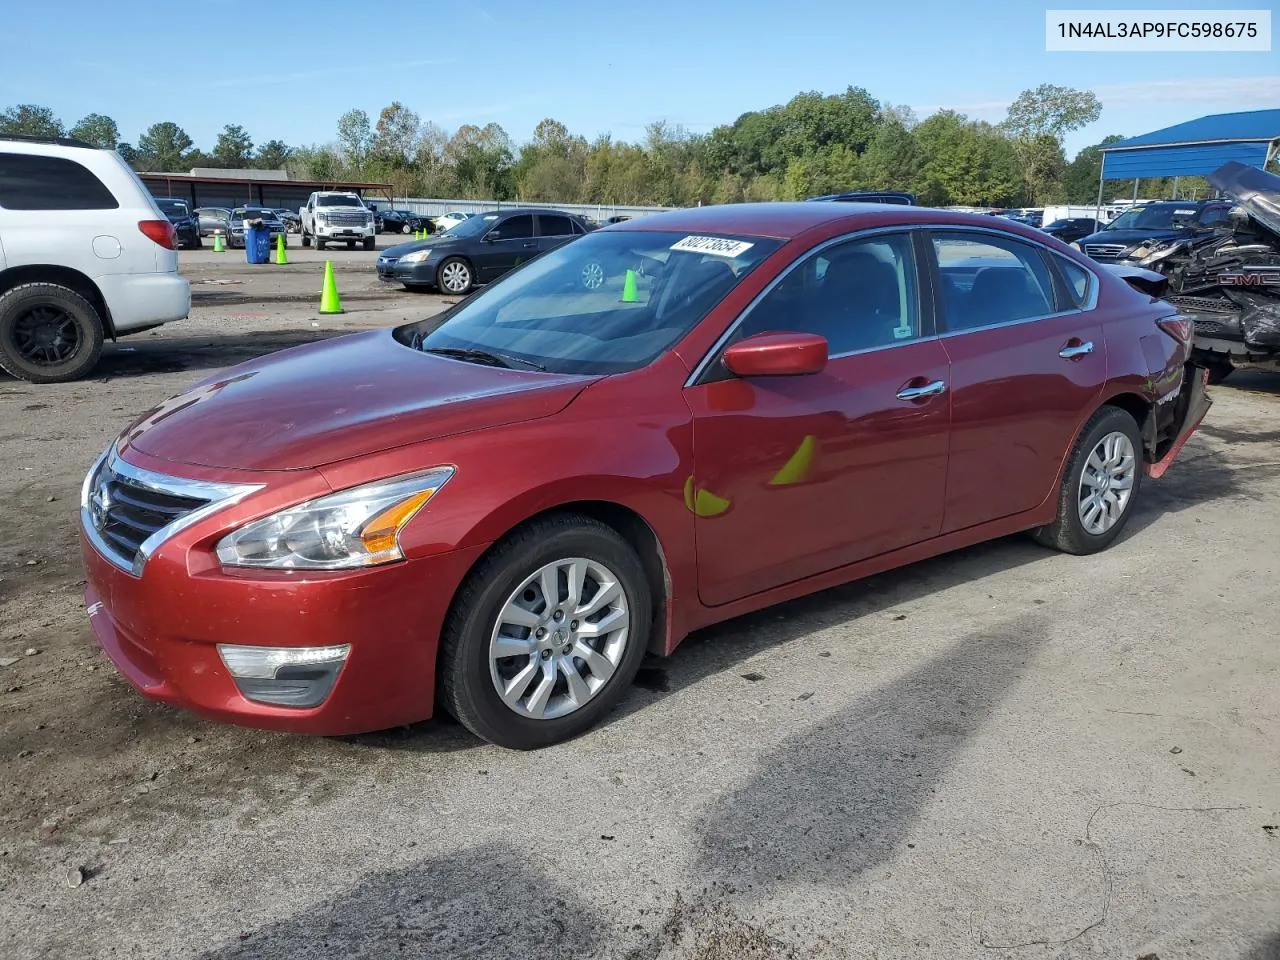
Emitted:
<point x="1073" y="228"/>
<point x="403" y="221"/>
<point x="185" y="223"/>
<point x="480" y="249"/>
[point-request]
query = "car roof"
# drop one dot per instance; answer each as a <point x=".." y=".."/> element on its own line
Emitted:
<point x="787" y="220"/>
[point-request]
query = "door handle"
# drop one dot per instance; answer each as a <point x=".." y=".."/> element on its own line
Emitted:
<point x="921" y="392"/>
<point x="1073" y="351"/>
<point x="530" y="244"/>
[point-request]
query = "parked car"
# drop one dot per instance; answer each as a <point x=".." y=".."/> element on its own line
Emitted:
<point x="185" y="224"/>
<point x="1142" y="224"/>
<point x="512" y="493"/>
<point x="85" y="255"/>
<point x="871" y="196"/>
<point x="1073" y="228"/>
<point x="290" y="219"/>
<point x="404" y="221"/>
<point x="269" y="220"/>
<point x="480" y="249"/>
<point x="448" y="221"/>
<point x="213" y="219"/>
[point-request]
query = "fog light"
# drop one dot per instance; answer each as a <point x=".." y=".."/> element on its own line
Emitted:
<point x="284" y="676"/>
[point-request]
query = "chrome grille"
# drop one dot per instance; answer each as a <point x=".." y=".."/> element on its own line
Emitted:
<point x="1103" y="251"/>
<point x="127" y="512"/>
<point x="346" y="219"/>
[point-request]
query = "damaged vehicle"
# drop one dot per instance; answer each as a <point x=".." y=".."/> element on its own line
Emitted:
<point x="1227" y="282"/>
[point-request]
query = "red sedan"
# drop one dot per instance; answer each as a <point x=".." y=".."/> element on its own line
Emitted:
<point x="666" y="423"/>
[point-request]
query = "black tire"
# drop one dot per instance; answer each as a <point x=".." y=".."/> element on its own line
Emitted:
<point x="51" y="304"/>
<point x="306" y="239"/>
<point x="320" y="244"/>
<point x="406" y="229"/>
<point x="370" y="243"/>
<point x="470" y="277"/>
<point x="1068" y="532"/>
<point x="417" y="287"/>
<point x="351" y="244"/>
<point x="466" y="687"/>
<point x="199" y="242"/>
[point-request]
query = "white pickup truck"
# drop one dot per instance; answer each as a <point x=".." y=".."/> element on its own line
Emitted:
<point x="337" y="217"/>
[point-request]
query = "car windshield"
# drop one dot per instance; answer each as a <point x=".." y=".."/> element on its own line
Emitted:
<point x="606" y="303"/>
<point x="337" y="200"/>
<point x="172" y="208"/>
<point x="472" y="226"/>
<point x="1162" y="216"/>
<point x="253" y="213"/>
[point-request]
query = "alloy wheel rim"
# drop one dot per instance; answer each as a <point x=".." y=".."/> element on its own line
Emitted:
<point x="559" y="638"/>
<point x="1106" y="483"/>
<point x="593" y="276"/>
<point x="455" y="277"/>
<point x="46" y="336"/>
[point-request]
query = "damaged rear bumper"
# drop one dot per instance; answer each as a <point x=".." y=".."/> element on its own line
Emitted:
<point x="1189" y="409"/>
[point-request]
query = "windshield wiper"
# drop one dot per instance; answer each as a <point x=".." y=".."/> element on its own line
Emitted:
<point x="483" y="356"/>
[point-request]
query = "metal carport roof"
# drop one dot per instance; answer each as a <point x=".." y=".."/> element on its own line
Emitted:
<point x="1197" y="147"/>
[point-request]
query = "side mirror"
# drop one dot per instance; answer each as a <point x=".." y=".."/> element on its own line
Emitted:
<point x="777" y="355"/>
<point x="492" y="235"/>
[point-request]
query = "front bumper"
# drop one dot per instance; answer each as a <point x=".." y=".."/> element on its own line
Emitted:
<point x="328" y="232"/>
<point x="161" y="630"/>
<point x="396" y="271"/>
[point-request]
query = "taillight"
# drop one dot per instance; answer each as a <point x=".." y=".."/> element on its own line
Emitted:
<point x="161" y="231"/>
<point x="1180" y="328"/>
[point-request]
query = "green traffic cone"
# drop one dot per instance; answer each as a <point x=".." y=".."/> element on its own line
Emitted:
<point x="217" y="244"/>
<point x="629" y="292"/>
<point x="281" y="256"/>
<point x="329" y="302"/>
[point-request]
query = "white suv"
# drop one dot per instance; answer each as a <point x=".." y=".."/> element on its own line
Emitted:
<point x="85" y="254"/>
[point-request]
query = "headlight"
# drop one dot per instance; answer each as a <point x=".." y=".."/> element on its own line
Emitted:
<point x="418" y="256"/>
<point x="1074" y="245"/>
<point x="353" y="528"/>
<point x="322" y="218"/>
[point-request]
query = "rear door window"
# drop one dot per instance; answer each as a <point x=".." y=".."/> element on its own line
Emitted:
<point x="50" y="183"/>
<point x="988" y="280"/>
<point x="553" y="226"/>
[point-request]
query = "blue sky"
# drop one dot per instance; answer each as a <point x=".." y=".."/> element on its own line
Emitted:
<point x="596" y="66"/>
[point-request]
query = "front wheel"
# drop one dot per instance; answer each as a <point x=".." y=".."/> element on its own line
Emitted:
<point x="593" y="275"/>
<point x="1102" y="478"/>
<point x="369" y="243"/>
<point x="455" y="276"/>
<point x="546" y="633"/>
<point x="48" y="333"/>
<point x="406" y="229"/>
<point x="306" y="239"/>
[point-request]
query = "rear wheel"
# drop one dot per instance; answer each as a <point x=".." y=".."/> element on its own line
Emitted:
<point x="48" y="333"/>
<point x="1102" y="478"/>
<point x="546" y="634"/>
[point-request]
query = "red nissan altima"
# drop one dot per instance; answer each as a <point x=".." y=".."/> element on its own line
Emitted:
<point x="661" y="425"/>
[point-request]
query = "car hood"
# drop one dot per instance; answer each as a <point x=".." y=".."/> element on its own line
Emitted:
<point x="1132" y="237"/>
<point x="338" y="399"/>
<point x="400" y="249"/>
<point x="1255" y="190"/>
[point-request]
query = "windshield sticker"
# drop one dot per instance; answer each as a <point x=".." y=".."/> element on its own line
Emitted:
<point x="717" y="246"/>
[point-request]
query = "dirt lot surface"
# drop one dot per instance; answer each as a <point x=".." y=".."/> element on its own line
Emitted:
<point x="1004" y="752"/>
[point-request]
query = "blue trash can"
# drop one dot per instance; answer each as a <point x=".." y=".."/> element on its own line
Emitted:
<point x="257" y="244"/>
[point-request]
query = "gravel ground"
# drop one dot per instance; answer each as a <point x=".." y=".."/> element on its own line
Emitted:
<point x="1004" y="752"/>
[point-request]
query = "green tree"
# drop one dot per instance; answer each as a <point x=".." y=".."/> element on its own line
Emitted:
<point x="164" y="147"/>
<point x="1037" y="121"/>
<point x="98" y="129"/>
<point x="272" y="155"/>
<point x="234" y="148"/>
<point x="355" y="137"/>
<point x="965" y="163"/>
<point x="395" y="140"/>
<point x="1080" y="177"/>
<point x="31" y="120"/>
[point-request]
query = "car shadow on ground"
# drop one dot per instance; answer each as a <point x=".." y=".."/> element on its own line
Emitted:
<point x="140" y="357"/>
<point x="834" y="801"/>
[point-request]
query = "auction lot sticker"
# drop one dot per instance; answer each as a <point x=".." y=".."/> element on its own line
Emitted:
<point x="714" y="245"/>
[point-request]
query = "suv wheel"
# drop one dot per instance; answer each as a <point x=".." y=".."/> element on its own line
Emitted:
<point x="48" y="333"/>
<point x="306" y="239"/>
<point x="370" y="242"/>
